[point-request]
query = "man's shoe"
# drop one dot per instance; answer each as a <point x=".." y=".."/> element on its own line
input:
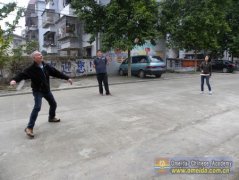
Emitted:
<point x="108" y="94"/>
<point x="54" y="120"/>
<point x="210" y="92"/>
<point x="101" y="94"/>
<point x="29" y="132"/>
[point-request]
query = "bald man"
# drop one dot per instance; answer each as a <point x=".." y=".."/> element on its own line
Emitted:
<point x="39" y="73"/>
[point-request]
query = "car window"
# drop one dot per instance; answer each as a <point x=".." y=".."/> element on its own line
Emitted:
<point x="227" y="62"/>
<point x="125" y="61"/>
<point x="158" y="58"/>
<point x="134" y="60"/>
<point x="219" y="62"/>
<point x="143" y="60"/>
<point x="152" y="59"/>
<point x="139" y="59"/>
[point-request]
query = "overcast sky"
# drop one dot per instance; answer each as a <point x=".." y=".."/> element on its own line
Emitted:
<point x="11" y="17"/>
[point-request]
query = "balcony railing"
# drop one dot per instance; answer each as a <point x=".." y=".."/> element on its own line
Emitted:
<point x="52" y="50"/>
<point x="69" y="44"/>
<point x="49" y="17"/>
<point x="31" y="28"/>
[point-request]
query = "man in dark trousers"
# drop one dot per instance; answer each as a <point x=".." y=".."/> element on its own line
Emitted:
<point x="39" y="73"/>
<point x="100" y="64"/>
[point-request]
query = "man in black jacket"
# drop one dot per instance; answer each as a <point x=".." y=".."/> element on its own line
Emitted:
<point x="39" y="73"/>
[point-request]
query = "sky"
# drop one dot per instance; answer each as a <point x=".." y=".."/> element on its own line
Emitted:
<point x="11" y="17"/>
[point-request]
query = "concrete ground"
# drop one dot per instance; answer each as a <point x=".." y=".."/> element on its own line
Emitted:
<point x="119" y="137"/>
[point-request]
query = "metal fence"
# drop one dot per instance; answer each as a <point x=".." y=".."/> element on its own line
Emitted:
<point x="181" y="65"/>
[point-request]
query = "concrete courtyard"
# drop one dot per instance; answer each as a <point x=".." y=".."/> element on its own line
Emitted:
<point x="119" y="137"/>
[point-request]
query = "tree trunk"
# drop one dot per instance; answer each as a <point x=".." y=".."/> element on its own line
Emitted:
<point x="195" y="61"/>
<point x="129" y="64"/>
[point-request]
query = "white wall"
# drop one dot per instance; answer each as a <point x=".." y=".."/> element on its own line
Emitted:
<point x="52" y="5"/>
<point x="85" y="38"/>
<point x="60" y="5"/>
<point x="40" y="6"/>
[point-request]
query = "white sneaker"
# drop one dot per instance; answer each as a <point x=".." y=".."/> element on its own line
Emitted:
<point x="202" y="92"/>
<point x="210" y="92"/>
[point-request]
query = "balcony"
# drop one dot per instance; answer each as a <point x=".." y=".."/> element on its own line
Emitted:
<point x="49" y="1"/>
<point x="52" y="50"/>
<point x="64" y="36"/>
<point x="31" y="28"/>
<point x="69" y="44"/>
<point x="67" y="10"/>
<point x="67" y="31"/>
<point x="33" y="15"/>
<point x="51" y="29"/>
<point x="49" y="39"/>
<point x="49" y="17"/>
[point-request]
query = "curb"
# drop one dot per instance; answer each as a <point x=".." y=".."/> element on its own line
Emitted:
<point x="96" y="85"/>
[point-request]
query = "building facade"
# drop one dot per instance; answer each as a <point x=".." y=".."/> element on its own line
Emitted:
<point x="64" y="34"/>
<point x="31" y="19"/>
<point x="17" y="42"/>
<point x="59" y="31"/>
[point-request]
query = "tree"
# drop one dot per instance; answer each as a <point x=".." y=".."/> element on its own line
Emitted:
<point x="15" y="61"/>
<point x="231" y="39"/>
<point x="122" y="23"/>
<point x="31" y="46"/>
<point x="194" y="25"/>
<point x="6" y="34"/>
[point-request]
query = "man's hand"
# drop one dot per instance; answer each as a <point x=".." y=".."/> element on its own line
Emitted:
<point x="70" y="81"/>
<point x="13" y="83"/>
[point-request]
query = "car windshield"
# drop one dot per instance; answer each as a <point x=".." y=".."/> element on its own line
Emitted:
<point x="155" y="59"/>
<point x="228" y="62"/>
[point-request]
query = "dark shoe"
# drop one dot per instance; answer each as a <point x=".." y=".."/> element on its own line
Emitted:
<point x="54" y="120"/>
<point x="29" y="132"/>
<point x="101" y="94"/>
<point x="108" y="94"/>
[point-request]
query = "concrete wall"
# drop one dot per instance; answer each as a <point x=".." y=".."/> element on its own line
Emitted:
<point x="74" y="68"/>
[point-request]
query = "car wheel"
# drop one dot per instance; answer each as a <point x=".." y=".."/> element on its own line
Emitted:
<point x="141" y="74"/>
<point x="224" y="70"/>
<point x="158" y="75"/>
<point x="121" y="72"/>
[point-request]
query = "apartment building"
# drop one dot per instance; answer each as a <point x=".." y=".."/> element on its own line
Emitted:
<point x="16" y="43"/>
<point x="33" y="27"/>
<point x="31" y="19"/>
<point x="63" y="30"/>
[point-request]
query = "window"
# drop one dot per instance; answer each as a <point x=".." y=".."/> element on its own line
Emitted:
<point x="134" y="60"/>
<point x="125" y="61"/>
<point x="88" y="51"/>
<point x="66" y="2"/>
<point x="139" y="59"/>
<point x="143" y="60"/>
<point x="153" y="58"/>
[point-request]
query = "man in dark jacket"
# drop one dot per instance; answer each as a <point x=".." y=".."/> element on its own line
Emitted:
<point x="100" y="64"/>
<point x="39" y="73"/>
